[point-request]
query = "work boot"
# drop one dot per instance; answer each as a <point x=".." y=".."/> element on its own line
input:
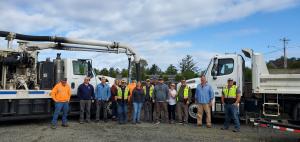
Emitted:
<point x="157" y="123"/>
<point x="208" y="126"/>
<point x="65" y="125"/>
<point x="236" y="130"/>
<point x="224" y="128"/>
<point x="53" y="126"/>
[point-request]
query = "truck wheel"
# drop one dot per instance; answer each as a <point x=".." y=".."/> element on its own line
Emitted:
<point x="109" y="109"/>
<point x="296" y="113"/>
<point x="193" y="113"/>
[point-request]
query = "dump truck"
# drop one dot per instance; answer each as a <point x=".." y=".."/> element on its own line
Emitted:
<point x="268" y="98"/>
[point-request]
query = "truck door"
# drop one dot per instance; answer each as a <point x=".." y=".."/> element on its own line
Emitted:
<point x="219" y="70"/>
<point x="79" y="70"/>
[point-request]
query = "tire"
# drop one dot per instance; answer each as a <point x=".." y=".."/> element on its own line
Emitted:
<point x="296" y="114"/>
<point x="109" y="109"/>
<point x="193" y="113"/>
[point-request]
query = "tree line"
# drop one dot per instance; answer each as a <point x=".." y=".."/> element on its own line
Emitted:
<point x="186" y="68"/>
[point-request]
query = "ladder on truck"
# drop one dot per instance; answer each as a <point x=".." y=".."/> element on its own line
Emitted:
<point x="266" y="120"/>
<point x="276" y="104"/>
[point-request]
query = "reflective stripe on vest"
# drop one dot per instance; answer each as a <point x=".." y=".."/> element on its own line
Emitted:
<point x="151" y="90"/>
<point x="231" y="93"/>
<point x="185" y="93"/>
<point x="125" y="93"/>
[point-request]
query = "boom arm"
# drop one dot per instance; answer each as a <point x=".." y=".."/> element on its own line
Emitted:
<point x="72" y="44"/>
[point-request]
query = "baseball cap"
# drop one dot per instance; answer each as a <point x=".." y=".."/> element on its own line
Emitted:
<point x="230" y="79"/>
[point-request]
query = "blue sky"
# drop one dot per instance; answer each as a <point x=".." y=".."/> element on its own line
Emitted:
<point x="162" y="32"/>
<point x="260" y="31"/>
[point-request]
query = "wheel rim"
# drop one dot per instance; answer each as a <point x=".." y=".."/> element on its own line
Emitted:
<point x="193" y="111"/>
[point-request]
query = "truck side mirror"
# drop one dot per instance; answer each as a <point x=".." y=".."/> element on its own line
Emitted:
<point x="215" y="68"/>
<point x="72" y="85"/>
<point x="90" y="70"/>
<point x="214" y="74"/>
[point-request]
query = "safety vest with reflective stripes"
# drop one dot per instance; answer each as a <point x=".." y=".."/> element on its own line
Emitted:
<point x="185" y="93"/>
<point x="230" y="93"/>
<point x="125" y="93"/>
<point x="151" y="90"/>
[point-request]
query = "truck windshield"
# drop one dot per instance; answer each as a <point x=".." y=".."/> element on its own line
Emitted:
<point x="224" y="67"/>
<point x="80" y="67"/>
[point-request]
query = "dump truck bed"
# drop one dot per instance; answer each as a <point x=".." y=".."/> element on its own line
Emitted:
<point x="278" y="84"/>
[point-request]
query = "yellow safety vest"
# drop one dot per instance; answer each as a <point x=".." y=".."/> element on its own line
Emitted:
<point x="125" y="93"/>
<point x="230" y="93"/>
<point x="151" y="90"/>
<point x="185" y="93"/>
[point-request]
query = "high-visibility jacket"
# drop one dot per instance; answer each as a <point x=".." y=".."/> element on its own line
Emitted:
<point x="61" y="93"/>
<point x="120" y="93"/>
<point x="185" y="93"/>
<point x="131" y="87"/>
<point x="150" y="90"/>
<point x="231" y="92"/>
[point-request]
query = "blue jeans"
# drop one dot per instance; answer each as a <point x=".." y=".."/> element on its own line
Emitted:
<point x="58" y="107"/>
<point x="137" y="111"/>
<point x="231" y="112"/>
<point x="122" y="112"/>
<point x="114" y="109"/>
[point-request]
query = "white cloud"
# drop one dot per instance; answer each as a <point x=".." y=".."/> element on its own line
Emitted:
<point x="143" y="24"/>
<point x="238" y="33"/>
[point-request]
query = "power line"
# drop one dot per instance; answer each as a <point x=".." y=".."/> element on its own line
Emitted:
<point x="273" y="51"/>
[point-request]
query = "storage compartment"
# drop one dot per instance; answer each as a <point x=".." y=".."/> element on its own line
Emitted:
<point x="46" y="74"/>
<point x="24" y="107"/>
<point x="7" y="107"/>
<point x="41" y="106"/>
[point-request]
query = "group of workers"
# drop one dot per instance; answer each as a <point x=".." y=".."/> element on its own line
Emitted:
<point x="157" y="102"/>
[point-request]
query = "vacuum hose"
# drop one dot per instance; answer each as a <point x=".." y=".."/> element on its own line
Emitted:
<point x="33" y="38"/>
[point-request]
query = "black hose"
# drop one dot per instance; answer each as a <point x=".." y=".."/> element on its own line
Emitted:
<point x="34" y="38"/>
<point x="4" y="34"/>
<point x="138" y="71"/>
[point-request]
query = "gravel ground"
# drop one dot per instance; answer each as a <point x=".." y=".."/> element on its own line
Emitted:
<point x="40" y="131"/>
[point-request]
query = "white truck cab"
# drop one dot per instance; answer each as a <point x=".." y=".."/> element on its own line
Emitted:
<point x="271" y="95"/>
<point x="220" y="68"/>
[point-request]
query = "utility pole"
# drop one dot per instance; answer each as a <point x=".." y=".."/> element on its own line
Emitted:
<point x="285" y="41"/>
